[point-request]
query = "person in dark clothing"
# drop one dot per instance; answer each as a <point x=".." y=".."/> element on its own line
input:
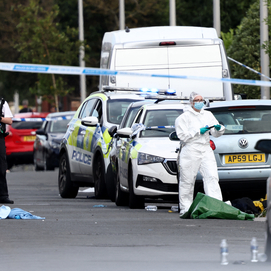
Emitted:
<point x="5" y="118"/>
<point x="25" y="108"/>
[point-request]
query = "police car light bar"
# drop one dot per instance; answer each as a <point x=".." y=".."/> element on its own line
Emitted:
<point x="143" y="90"/>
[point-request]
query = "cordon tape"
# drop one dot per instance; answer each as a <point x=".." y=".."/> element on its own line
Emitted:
<point x="247" y="67"/>
<point x="43" y="119"/>
<point x="73" y="70"/>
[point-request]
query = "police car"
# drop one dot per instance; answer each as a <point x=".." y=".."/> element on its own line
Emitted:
<point x="144" y="159"/>
<point x="84" y="148"/>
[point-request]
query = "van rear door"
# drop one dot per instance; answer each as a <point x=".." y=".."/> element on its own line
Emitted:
<point x="202" y="60"/>
<point x="151" y="60"/>
<point x="198" y="61"/>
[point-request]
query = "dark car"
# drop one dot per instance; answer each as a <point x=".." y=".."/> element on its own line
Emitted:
<point x="47" y="142"/>
<point x="22" y="134"/>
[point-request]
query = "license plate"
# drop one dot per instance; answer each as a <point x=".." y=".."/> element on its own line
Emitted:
<point x="29" y="138"/>
<point x="245" y="158"/>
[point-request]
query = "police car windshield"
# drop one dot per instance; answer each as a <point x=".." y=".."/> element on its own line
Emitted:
<point x="128" y="121"/>
<point x="157" y="122"/>
<point x="116" y="109"/>
<point x="244" y="121"/>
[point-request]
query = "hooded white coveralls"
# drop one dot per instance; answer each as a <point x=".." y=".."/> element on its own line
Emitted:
<point x="197" y="155"/>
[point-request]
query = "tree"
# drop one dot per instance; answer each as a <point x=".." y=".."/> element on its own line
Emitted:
<point x="41" y="42"/>
<point x="200" y="12"/>
<point x="11" y="81"/>
<point x="245" y="48"/>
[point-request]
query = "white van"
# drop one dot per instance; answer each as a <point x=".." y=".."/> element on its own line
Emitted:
<point x="167" y="50"/>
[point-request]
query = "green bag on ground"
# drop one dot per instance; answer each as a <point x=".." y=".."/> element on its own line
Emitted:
<point x="204" y="206"/>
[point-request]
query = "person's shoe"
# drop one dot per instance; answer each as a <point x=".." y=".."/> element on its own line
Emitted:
<point x="6" y="200"/>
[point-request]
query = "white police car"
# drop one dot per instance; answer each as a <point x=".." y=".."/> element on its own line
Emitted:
<point x="84" y="148"/>
<point x="145" y="158"/>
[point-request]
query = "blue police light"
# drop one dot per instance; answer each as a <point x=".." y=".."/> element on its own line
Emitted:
<point x="171" y="92"/>
<point x="144" y="89"/>
<point x="154" y="90"/>
<point x="149" y="90"/>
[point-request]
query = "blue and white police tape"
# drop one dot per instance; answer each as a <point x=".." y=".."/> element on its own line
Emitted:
<point x="247" y="67"/>
<point x="43" y="119"/>
<point x="158" y="127"/>
<point x="72" y="70"/>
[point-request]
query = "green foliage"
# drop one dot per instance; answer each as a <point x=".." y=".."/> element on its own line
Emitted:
<point x="245" y="48"/>
<point x="41" y="42"/>
<point x="200" y="12"/>
<point x="12" y="81"/>
<point x="267" y="44"/>
<point x="227" y="38"/>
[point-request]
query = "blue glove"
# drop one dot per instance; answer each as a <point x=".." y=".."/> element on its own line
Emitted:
<point x="217" y="127"/>
<point x="204" y="130"/>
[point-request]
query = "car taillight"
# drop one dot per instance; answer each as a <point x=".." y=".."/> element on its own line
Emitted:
<point x="212" y="145"/>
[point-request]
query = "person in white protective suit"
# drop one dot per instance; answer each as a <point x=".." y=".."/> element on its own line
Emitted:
<point x="192" y="128"/>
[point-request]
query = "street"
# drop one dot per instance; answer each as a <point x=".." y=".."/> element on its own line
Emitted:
<point x="89" y="234"/>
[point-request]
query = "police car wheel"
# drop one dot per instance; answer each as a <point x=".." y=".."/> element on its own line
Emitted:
<point x="111" y="183"/>
<point x="65" y="186"/>
<point x="99" y="178"/>
<point x="121" y="198"/>
<point x="135" y="202"/>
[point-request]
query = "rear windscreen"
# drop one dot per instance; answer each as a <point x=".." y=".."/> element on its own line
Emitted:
<point x="169" y="57"/>
<point x="20" y="125"/>
<point x="245" y="121"/>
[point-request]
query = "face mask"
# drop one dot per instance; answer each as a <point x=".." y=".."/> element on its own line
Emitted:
<point x="199" y="105"/>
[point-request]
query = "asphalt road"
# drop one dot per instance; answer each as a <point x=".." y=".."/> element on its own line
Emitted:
<point x="89" y="234"/>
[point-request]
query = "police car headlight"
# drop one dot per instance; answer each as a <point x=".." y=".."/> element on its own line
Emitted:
<point x="144" y="158"/>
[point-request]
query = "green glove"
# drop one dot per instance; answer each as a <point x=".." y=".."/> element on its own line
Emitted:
<point x="204" y="130"/>
<point x="217" y="127"/>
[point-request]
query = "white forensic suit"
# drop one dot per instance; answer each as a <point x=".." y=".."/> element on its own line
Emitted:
<point x="197" y="155"/>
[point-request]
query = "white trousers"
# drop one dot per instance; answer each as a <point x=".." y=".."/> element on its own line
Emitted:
<point x="194" y="158"/>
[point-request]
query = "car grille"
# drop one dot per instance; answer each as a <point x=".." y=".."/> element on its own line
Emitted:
<point x="159" y="185"/>
<point x="171" y="167"/>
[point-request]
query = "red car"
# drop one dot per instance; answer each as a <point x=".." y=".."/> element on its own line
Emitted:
<point x="22" y="134"/>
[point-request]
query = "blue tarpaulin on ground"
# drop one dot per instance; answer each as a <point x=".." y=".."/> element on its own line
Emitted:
<point x="16" y="213"/>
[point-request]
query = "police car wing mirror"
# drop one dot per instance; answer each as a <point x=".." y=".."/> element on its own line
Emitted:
<point x="137" y="128"/>
<point x="263" y="145"/>
<point x="90" y="121"/>
<point x="173" y="136"/>
<point x="125" y="132"/>
<point x="112" y="130"/>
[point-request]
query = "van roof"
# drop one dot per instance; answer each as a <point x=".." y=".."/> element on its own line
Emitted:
<point x="159" y="33"/>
